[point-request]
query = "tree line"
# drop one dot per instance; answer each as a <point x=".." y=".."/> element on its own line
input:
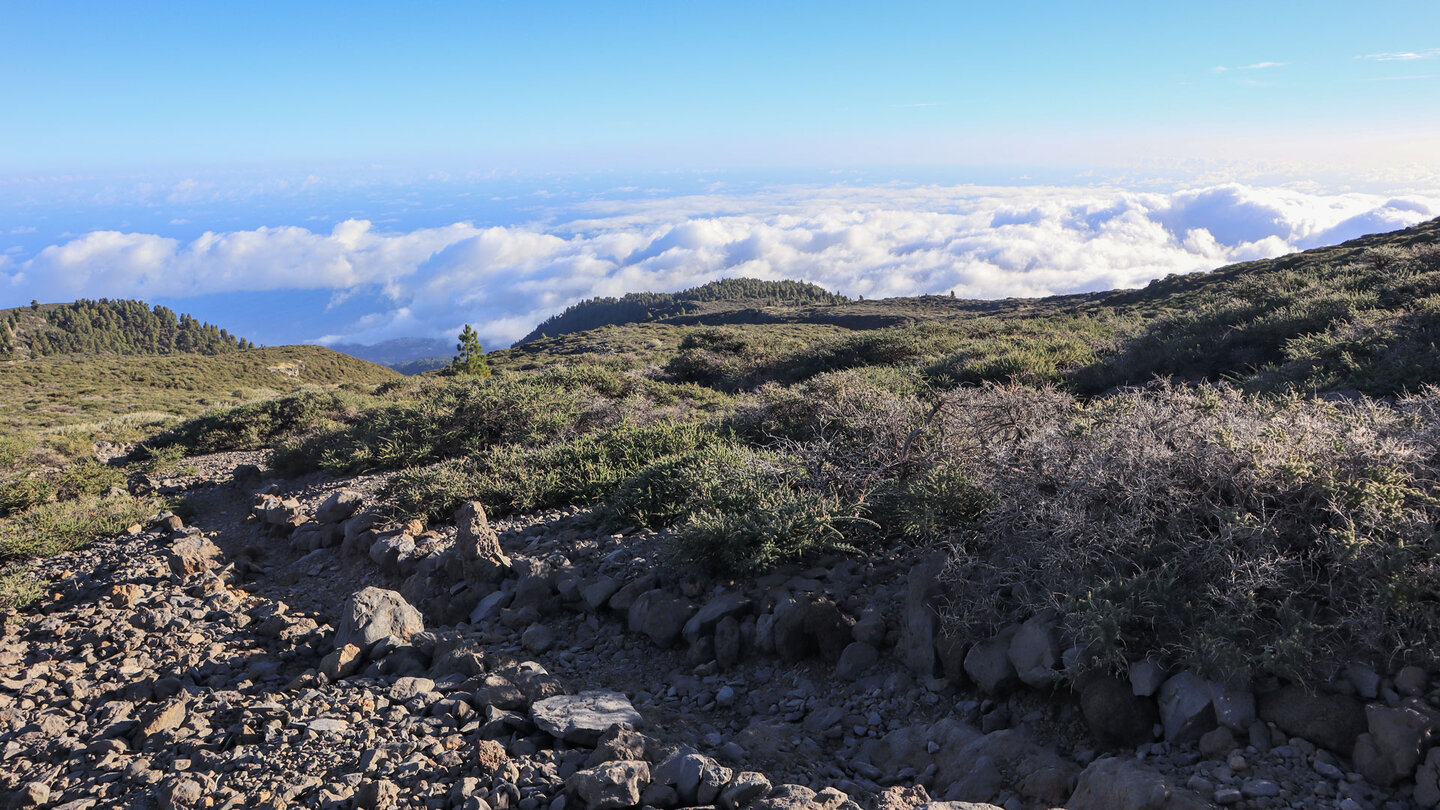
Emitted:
<point x="111" y="326"/>
<point x="638" y="307"/>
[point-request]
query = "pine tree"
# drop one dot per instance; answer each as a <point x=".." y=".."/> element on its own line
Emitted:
<point x="470" y="355"/>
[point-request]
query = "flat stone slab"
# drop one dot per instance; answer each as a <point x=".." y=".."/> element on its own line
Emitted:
<point x="582" y="719"/>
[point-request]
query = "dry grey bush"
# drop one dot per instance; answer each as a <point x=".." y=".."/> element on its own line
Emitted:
<point x="1201" y="525"/>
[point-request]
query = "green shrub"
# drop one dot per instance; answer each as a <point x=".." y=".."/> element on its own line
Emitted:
<point x="24" y="491"/>
<point x="786" y="524"/>
<point x="89" y="477"/>
<point x="55" y="528"/>
<point x="721" y="477"/>
<point x="933" y="505"/>
<point x="516" y="478"/>
<point x="19" y="588"/>
<point x="466" y="417"/>
<point x="257" y="425"/>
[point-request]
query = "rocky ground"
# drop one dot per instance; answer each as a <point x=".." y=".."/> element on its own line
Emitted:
<point x="289" y="648"/>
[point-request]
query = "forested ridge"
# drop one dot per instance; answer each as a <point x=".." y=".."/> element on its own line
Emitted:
<point x="593" y="313"/>
<point x="109" y="326"/>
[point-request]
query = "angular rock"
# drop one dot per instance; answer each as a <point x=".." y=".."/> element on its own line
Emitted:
<point x="697" y="779"/>
<point x="184" y="793"/>
<point x="478" y="545"/>
<point x="856" y="660"/>
<point x="1400" y="737"/>
<point x="582" y="719"/>
<point x="371" y="614"/>
<point x="408" y="687"/>
<point x="1146" y="677"/>
<point x="988" y="664"/>
<point x="1411" y="681"/>
<point x="970" y="768"/>
<point x="1234" y="706"/>
<point x="193" y="554"/>
<point x="611" y="786"/>
<point x="1329" y="721"/>
<point x="1427" y="781"/>
<point x="597" y="594"/>
<point x="729" y="643"/>
<point x="1035" y="651"/>
<point x="950" y="653"/>
<point x="659" y="615"/>
<point x="870" y="628"/>
<point x="1218" y="743"/>
<point x="803" y="629"/>
<point x="377" y="794"/>
<point x="746" y="787"/>
<point x="921" y="620"/>
<point x="1186" y="709"/>
<point x="341" y="663"/>
<point x="1365" y="680"/>
<point x="729" y="604"/>
<point x="1118" y="784"/>
<point x="392" y="551"/>
<point x="166" y="718"/>
<point x="339" y="506"/>
<point x="619" y="743"/>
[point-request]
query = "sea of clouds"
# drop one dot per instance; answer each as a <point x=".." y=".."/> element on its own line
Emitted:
<point x="977" y="241"/>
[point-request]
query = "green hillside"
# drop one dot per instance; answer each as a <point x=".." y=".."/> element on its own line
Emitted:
<point x="76" y="389"/>
<point x="116" y="327"/>
<point x="1361" y="316"/>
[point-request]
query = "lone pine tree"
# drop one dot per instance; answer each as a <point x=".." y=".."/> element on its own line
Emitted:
<point x="470" y="355"/>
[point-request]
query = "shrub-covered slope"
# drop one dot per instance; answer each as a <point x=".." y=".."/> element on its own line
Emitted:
<point x="1362" y="316"/>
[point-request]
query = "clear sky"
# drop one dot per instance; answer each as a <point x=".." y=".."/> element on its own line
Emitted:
<point x="302" y="171"/>
<point x="101" y="86"/>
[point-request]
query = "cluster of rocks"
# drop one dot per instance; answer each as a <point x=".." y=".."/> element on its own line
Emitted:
<point x="1187" y="725"/>
<point x="164" y="670"/>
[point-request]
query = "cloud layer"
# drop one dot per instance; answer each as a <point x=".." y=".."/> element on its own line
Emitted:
<point x="982" y="242"/>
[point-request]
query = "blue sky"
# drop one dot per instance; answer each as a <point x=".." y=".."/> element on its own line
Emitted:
<point x="533" y="86"/>
<point x="322" y="170"/>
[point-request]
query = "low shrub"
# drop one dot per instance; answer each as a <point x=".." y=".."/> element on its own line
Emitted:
<point x="256" y="425"/>
<point x="461" y="417"/>
<point x="55" y="528"/>
<point x="18" y="588"/>
<point x="518" y="478"/>
<point x="1202" y="526"/>
<point x="784" y="524"/>
<point x="721" y="477"/>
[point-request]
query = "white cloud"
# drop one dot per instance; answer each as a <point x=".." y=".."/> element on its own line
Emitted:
<point x="1403" y="56"/>
<point x="982" y="242"/>
<point x="1255" y="66"/>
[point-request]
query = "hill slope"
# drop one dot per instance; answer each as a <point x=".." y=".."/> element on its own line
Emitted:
<point x="76" y="389"/>
<point x="1363" y="316"/>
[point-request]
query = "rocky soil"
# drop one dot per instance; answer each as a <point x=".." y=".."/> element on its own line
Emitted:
<point x="290" y="648"/>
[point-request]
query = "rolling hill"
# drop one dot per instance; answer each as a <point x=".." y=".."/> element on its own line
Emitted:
<point x="1361" y="316"/>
